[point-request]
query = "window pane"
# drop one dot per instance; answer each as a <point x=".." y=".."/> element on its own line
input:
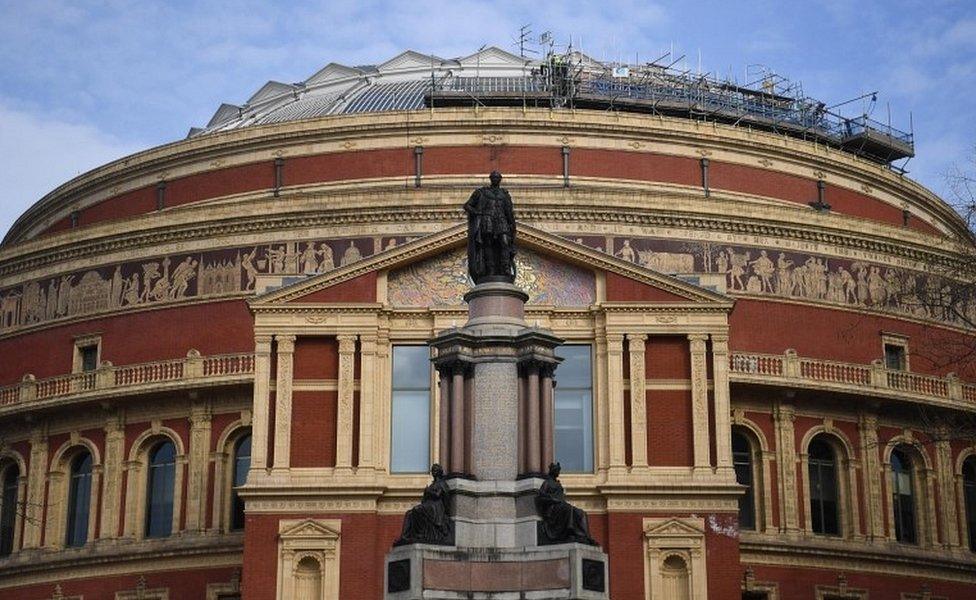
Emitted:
<point x="79" y="500"/>
<point x="8" y="509"/>
<point x="162" y="472"/>
<point x="410" y="444"/>
<point x="242" y="462"/>
<point x="903" y="497"/>
<point x="89" y="358"/>
<point x="573" y="421"/>
<point x="969" y="491"/>
<point x="742" y="462"/>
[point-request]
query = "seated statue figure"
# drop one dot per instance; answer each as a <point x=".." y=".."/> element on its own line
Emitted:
<point x="561" y="521"/>
<point x="428" y="522"/>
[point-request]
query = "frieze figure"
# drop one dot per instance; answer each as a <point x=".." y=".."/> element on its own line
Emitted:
<point x="428" y="522"/>
<point x="491" y="233"/>
<point x="561" y="521"/>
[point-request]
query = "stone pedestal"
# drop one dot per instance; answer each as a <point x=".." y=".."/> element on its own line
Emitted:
<point x="496" y="377"/>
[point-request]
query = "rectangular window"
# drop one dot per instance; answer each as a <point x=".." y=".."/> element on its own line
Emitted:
<point x="87" y="353"/>
<point x="894" y="357"/>
<point x="89" y="358"/>
<point x="574" y="408"/>
<point x="410" y="443"/>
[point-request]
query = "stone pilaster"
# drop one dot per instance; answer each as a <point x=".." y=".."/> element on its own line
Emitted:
<point x="262" y="399"/>
<point x="282" y="441"/>
<point x="368" y="404"/>
<point x="638" y="399"/>
<point x="458" y="420"/>
<point x="699" y="401"/>
<point x="112" y="484"/>
<point x="36" y="470"/>
<point x="199" y="453"/>
<point x="723" y="408"/>
<point x="868" y="429"/>
<point x="947" y="506"/>
<point x="344" y="417"/>
<point x="382" y="402"/>
<point x="783" y="416"/>
<point x="615" y="401"/>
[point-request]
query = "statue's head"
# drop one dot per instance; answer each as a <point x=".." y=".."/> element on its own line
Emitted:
<point x="436" y="471"/>
<point x="495" y="178"/>
<point x="554" y="470"/>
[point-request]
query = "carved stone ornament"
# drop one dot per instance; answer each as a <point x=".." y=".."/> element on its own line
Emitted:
<point x="428" y="522"/>
<point x="561" y="521"/>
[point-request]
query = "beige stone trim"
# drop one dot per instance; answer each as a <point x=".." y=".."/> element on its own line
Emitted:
<point x="699" y="402"/>
<point x="112" y="482"/>
<point x="344" y="417"/>
<point x="615" y="401"/>
<point x="638" y="400"/>
<point x="10" y="458"/>
<point x="142" y="592"/>
<point x="368" y="400"/>
<point x="923" y="490"/>
<point x="761" y="470"/>
<point x="846" y="467"/>
<point x="947" y="516"/>
<point x="674" y="537"/>
<point x="223" y="459"/>
<point x="196" y="491"/>
<point x="35" y="487"/>
<point x="315" y="540"/>
<point x="261" y="406"/>
<point x="783" y="416"/>
<point x="868" y="430"/>
<point x="723" y="407"/>
<point x="840" y="592"/>
<point x="285" y="345"/>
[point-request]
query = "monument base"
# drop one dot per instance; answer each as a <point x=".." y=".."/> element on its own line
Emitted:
<point x="563" y="571"/>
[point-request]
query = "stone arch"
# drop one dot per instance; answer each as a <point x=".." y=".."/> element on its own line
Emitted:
<point x="924" y="486"/>
<point x="136" y="482"/>
<point x="224" y="472"/>
<point x="10" y="458"/>
<point x="847" y="479"/>
<point x="762" y="480"/>
<point x="965" y="536"/>
<point x="55" y="527"/>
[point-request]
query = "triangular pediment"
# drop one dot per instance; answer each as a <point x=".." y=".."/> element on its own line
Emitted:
<point x="558" y="269"/>
<point x="493" y="56"/>
<point x="270" y="90"/>
<point x="409" y="60"/>
<point x="673" y="527"/>
<point x="307" y="528"/>
<point x="332" y="72"/>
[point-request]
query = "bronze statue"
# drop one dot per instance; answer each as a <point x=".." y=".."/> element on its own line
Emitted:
<point x="428" y="522"/>
<point x="491" y="233"/>
<point x="561" y="521"/>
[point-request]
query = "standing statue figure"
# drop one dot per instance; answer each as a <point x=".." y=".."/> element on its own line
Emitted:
<point x="561" y="521"/>
<point x="491" y="233"/>
<point x="428" y="522"/>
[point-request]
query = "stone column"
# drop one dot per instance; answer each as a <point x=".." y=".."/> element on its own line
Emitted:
<point x="723" y="408"/>
<point x="868" y="429"/>
<point x="615" y="399"/>
<point x="444" y="419"/>
<point x="196" y="491"/>
<point x="260" y="408"/>
<point x="458" y="420"/>
<point x="344" y="415"/>
<point x="638" y="399"/>
<point x="548" y="416"/>
<point x="523" y="415"/>
<point x="699" y="401"/>
<point x="282" y="441"/>
<point x="367" y="399"/>
<point x="533" y="443"/>
<point x="944" y="480"/>
<point x="112" y="483"/>
<point x="783" y="417"/>
<point x="37" y="470"/>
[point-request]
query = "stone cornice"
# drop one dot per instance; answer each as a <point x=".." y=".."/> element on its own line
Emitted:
<point x="296" y="138"/>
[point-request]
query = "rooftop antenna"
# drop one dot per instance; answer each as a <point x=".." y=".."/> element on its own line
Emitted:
<point x="524" y="32"/>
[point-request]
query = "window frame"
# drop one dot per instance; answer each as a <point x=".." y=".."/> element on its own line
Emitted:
<point x="432" y="387"/>
<point x="898" y="510"/>
<point x="149" y="499"/>
<point x="588" y="428"/>
<point x="898" y="341"/>
<point x="968" y="490"/>
<point x="751" y="489"/>
<point x="72" y="509"/>
<point x="838" y="499"/>
<point x="10" y="465"/>
<point x="233" y="496"/>
<point x="82" y="342"/>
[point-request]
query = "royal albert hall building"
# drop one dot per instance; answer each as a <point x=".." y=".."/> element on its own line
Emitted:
<point x="215" y="383"/>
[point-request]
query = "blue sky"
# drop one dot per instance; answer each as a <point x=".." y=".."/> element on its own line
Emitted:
<point x="83" y="82"/>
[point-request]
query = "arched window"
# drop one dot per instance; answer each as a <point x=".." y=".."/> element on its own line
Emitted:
<point x="79" y="500"/>
<point x="8" y="508"/>
<point x="242" y="462"/>
<point x="159" y="492"/>
<point x="823" y="488"/>
<point x="742" y="461"/>
<point x="308" y="579"/>
<point x="969" y="495"/>
<point x="903" y="496"/>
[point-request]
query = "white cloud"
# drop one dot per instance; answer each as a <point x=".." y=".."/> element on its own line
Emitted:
<point x="39" y="153"/>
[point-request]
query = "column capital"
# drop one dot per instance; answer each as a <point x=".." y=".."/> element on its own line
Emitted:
<point x="262" y="339"/>
<point x="637" y="337"/>
<point x="347" y="343"/>
<point x="719" y="338"/>
<point x="286" y="343"/>
<point x="697" y="337"/>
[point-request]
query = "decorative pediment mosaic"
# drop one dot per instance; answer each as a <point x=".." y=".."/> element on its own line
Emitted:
<point x="442" y="281"/>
